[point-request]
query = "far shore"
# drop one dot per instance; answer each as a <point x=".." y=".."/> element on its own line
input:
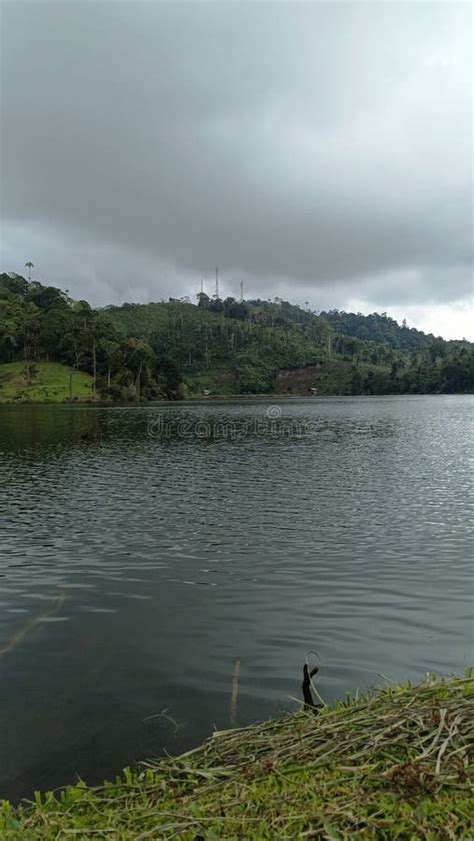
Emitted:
<point x="221" y="398"/>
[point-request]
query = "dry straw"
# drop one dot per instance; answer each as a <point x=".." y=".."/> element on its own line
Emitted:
<point x="396" y="765"/>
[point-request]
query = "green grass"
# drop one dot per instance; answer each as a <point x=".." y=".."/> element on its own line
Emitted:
<point x="50" y="383"/>
<point x="392" y="766"/>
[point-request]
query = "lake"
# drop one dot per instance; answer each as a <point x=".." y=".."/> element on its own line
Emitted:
<point x="165" y="569"/>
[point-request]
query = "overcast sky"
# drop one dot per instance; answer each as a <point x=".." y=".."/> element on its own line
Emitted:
<point x="319" y="152"/>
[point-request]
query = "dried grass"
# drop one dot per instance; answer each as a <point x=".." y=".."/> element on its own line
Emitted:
<point x="397" y="765"/>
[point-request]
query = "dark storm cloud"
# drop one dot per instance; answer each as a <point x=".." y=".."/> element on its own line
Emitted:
<point x="319" y="149"/>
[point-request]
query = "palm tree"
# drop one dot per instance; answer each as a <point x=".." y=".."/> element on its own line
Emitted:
<point x="29" y="265"/>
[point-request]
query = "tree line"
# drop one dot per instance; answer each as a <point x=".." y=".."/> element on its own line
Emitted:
<point x="148" y="351"/>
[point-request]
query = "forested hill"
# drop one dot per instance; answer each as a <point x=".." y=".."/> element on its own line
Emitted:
<point x="376" y="327"/>
<point x="379" y="328"/>
<point x="177" y="348"/>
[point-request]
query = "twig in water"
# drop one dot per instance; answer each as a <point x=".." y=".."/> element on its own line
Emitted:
<point x="235" y="692"/>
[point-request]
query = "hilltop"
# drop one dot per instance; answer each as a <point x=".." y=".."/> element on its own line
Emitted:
<point x="177" y="349"/>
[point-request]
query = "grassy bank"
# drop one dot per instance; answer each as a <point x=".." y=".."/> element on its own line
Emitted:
<point x="393" y="766"/>
<point x="50" y="382"/>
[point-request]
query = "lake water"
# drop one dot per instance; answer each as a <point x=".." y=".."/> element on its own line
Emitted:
<point x="145" y="551"/>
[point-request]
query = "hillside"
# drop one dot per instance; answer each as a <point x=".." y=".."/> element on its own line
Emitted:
<point x="178" y="349"/>
<point x="379" y="328"/>
<point x="46" y="382"/>
<point x="242" y="346"/>
<point x="147" y="319"/>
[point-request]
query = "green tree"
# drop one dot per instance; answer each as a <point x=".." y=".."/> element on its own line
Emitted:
<point x="29" y="265"/>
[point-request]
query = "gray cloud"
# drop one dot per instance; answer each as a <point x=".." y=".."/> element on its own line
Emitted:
<point x="321" y="150"/>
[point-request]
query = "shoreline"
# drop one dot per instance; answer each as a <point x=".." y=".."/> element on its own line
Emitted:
<point x="394" y="764"/>
<point x="223" y="398"/>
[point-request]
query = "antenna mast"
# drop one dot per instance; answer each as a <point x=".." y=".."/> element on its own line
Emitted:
<point x="217" y="282"/>
<point x="241" y="290"/>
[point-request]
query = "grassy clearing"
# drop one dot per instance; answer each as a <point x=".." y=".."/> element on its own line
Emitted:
<point x="219" y="381"/>
<point x="50" y="383"/>
<point x="392" y="766"/>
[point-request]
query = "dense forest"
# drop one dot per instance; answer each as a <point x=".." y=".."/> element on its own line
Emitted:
<point x="176" y="349"/>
